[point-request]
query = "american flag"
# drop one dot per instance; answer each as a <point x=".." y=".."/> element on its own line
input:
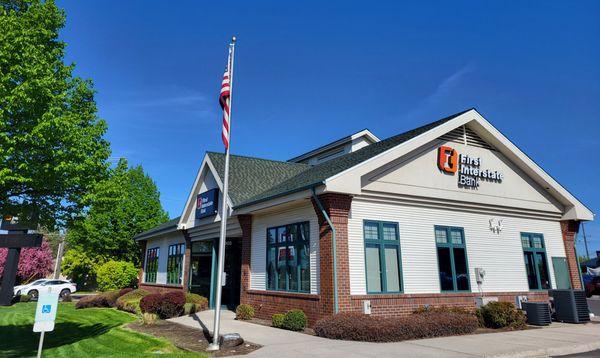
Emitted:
<point x="224" y="101"/>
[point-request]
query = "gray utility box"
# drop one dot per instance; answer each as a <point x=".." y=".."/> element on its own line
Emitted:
<point x="538" y="313"/>
<point x="570" y="306"/>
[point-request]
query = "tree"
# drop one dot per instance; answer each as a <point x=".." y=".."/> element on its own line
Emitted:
<point x="34" y="262"/>
<point x="124" y="205"/>
<point x="52" y="149"/>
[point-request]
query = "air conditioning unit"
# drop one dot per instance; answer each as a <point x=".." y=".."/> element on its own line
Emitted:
<point x="570" y="306"/>
<point x="538" y="313"/>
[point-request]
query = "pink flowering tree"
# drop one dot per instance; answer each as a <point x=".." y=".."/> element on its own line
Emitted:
<point x="34" y="262"/>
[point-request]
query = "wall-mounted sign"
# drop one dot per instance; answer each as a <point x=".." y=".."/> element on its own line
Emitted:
<point x="469" y="170"/>
<point x="207" y="203"/>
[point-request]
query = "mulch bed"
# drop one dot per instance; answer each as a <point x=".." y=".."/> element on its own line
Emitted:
<point x="189" y="339"/>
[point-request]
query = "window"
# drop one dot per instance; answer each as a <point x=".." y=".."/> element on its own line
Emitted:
<point x="536" y="265"/>
<point x="382" y="257"/>
<point x="452" y="258"/>
<point x="288" y="258"/>
<point x="175" y="264"/>
<point x="152" y="264"/>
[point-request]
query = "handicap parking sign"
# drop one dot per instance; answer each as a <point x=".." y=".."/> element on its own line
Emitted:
<point x="45" y="313"/>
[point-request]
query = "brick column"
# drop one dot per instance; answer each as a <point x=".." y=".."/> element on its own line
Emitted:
<point x="142" y="260"/>
<point x="186" y="261"/>
<point x="337" y="207"/>
<point x="569" y="230"/>
<point x="246" y="226"/>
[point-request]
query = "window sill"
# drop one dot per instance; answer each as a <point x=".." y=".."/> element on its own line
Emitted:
<point x="154" y="284"/>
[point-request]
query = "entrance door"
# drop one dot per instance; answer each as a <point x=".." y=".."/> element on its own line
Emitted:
<point x="201" y="263"/>
<point x="233" y="270"/>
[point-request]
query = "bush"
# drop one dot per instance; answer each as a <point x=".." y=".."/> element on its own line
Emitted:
<point x="200" y="302"/>
<point x="149" y="318"/>
<point x="294" y="320"/>
<point x="168" y="305"/>
<point x="125" y="291"/>
<point x="104" y="299"/>
<point x="115" y="275"/>
<point x="189" y="308"/>
<point x="244" y="312"/>
<point x="81" y="267"/>
<point x="67" y="298"/>
<point x="277" y="320"/>
<point x="501" y="315"/>
<point x="130" y="302"/>
<point x="24" y="298"/>
<point x="443" y="309"/>
<point x="359" y="327"/>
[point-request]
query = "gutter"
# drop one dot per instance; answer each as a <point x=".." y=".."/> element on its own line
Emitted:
<point x="333" y="243"/>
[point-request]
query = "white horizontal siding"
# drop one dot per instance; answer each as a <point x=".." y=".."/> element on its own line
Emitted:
<point x="163" y="243"/>
<point x="260" y="223"/>
<point x="500" y="255"/>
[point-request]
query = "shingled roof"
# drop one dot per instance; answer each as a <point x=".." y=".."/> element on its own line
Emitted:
<point x="165" y="227"/>
<point x="253" y="180"/>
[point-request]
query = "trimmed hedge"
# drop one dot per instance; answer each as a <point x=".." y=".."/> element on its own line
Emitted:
<point x="244" y="312"/>
<point x="294" y="320"/>
<point x="200" y="302"/>
<point x="502" y="315"/>
<point x="104" y="299"/>
<point x="130" y="301"/>
<point x="277" y="320"/>
<point x="360" y="327"/>
<point x="167" y="305"/>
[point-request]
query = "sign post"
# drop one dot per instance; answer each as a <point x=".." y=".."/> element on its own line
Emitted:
<point x="45" y="314"/>
<point x="16" y="238"/>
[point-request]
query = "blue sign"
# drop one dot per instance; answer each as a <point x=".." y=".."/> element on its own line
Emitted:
<point x="46" y="308"/>
<point x="207" y="203"/>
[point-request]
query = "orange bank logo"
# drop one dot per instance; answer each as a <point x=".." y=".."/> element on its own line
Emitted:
<point x="447" y="159"/>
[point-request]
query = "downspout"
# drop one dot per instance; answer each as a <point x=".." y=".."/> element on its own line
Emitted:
<point x="334" y="253"/>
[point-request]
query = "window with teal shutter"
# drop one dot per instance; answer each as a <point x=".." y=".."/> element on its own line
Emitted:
<point x="382" y="257"/>
<point x="536" y="263"/>
<point x="452" y="258"/>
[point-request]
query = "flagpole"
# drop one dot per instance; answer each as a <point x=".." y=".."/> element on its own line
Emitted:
<point x="224" y="214"/>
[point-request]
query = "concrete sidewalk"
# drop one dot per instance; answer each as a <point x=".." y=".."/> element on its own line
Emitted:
<point x="557" y="339"/>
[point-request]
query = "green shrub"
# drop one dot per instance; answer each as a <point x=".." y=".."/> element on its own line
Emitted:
<point x="294" y="320"/>
<point x="165" y="305"/>
<point x="353" y="326"/>
<point x="130" y="302"/>
<point x="244" y="312"/>
<point x="200" y="302"/>
<point x="115" y="275"/>
<point x="149" y="318"/>
<point x="502" y="315"/>
<point x="189" y="308"/>
<point x="80" y="267"/>
<point x="277" y="320"/>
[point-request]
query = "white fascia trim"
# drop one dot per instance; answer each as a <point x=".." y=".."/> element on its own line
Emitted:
<point x="338" y="183"/>
<point x="365" y="133"/>
<point x="206" y="163"/>
<point x="279" y="201"/>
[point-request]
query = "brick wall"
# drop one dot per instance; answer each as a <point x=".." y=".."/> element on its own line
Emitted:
<point x="142" y="260"/>
<point x="267" y="303"/>
<point x="158" y="288"/>
<point x="569" y="230"/>
<point x="186" y="259"/>
<point x="403" y="304"/>
<point x="246" y="226"/>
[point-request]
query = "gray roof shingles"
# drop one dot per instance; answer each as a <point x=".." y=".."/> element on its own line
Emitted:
<point x="252" y="180"/>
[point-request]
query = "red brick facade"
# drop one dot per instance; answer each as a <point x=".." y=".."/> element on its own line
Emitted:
<point x="186" y="259"/>
<point x="569" y="230"/>
<point x="246" y="226"/>
<point x="159" y="288"/>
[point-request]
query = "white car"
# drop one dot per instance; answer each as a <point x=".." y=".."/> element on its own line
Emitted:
<point x="33" y="289"/>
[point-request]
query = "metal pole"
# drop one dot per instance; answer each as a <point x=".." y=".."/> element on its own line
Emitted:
<point x="39" y="354"/>
<point x="587" y="253"/>
<point x="224" y="213"/>
<point x="59" y="255"/>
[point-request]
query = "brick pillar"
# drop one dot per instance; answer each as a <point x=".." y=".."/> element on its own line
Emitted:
<point x="246" y="226"/>
<point x="337" y="207"/>
<point x="186" y="261"/>
<point x="142" y="260"/>
<point x="569" y="230"/>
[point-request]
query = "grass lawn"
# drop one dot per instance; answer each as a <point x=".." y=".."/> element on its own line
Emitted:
<point x="92" y="332"/>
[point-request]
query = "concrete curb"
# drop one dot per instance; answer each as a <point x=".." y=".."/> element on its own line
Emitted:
<point x="553" y="351"/>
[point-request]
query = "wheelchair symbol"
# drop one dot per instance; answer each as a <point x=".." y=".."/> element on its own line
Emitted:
<point x="46" y="308"/>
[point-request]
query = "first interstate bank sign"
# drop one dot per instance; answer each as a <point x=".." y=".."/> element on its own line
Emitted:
<point x="207" y="203"/>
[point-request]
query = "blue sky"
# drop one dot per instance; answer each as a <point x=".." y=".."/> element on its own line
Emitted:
<point x="311" y="72"/>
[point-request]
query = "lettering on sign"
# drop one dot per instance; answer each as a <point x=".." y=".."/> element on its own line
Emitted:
<point x="207" y="203"/>
<point x="469" y="168"/>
